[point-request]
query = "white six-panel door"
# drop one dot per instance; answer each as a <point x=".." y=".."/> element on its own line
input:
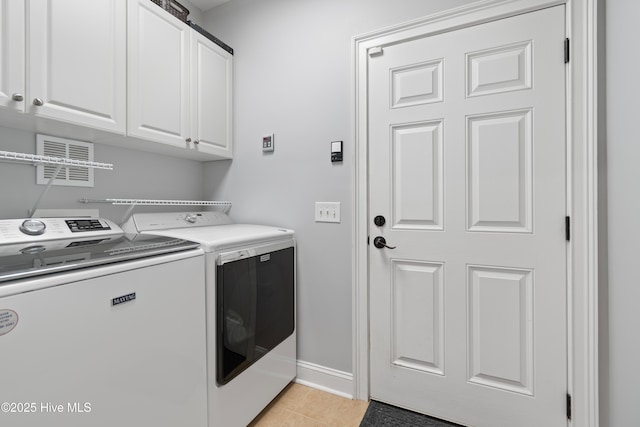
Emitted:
<point x="468" y="167"/>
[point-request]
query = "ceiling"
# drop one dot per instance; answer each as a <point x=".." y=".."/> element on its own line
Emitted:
<point x="205" y="5"/>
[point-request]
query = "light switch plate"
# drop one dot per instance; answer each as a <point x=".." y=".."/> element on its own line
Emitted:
<point x="327" y="212"/>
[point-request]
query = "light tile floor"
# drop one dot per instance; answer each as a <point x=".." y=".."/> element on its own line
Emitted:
<point x="302" y="406"/>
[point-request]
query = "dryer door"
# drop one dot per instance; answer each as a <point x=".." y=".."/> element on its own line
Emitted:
<point x="255" y="307"/>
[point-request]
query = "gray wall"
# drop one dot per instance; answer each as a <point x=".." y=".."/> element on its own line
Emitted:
<point x="293" y="71"/>
<point x="293" y="78"/>
<point x="135" y="175"/>
<point x="195" y="14"/>
<point x="623" y="90"/>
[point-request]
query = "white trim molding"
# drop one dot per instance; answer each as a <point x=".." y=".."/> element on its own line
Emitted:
<point x="582" y="192"/>
<point x="326" y="379"/>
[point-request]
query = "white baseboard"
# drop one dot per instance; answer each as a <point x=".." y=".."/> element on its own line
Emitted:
<point x="325" y="379"/>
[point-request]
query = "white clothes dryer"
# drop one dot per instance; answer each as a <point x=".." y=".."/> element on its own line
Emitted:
<point x="250" y="300"/>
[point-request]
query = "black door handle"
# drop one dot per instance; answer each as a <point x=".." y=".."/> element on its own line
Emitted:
<point x="380" y="242"/>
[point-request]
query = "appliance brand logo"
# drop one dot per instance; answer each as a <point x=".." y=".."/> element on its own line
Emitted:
<point x="123" y="299"/>
<point x="264" y="258"/>
<point x="8" y="321"/>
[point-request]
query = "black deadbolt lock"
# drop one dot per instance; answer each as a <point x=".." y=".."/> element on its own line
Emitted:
<point x="379" y="220"/>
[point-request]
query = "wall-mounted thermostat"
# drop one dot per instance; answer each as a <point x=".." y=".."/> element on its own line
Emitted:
<point x="267" y="143"/>
<point x="336" y="151"/>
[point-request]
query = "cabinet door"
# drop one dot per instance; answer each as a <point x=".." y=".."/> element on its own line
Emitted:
<point x="77" y="62"/>
<point x="211" y="89"/>
<point x="158" y="75"/>
<point x="12" y="54"/>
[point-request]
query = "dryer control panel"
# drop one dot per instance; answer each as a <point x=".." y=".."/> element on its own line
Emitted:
<point x="169" y="220"/>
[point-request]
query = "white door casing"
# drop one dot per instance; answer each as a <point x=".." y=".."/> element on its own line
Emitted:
<point x="467" y="163"/>
<point x="581" y="187"/>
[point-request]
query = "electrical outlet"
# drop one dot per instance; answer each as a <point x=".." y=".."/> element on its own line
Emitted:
<point x="327" y="212"/>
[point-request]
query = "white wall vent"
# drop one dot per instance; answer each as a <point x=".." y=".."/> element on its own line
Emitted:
<point x="76" y="176"/>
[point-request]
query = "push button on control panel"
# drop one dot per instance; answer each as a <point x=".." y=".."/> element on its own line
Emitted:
<point x="191" y="218"/>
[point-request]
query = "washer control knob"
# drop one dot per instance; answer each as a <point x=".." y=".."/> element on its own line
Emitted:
<point x="32" y="227"/>
<point x="191" y="218"/>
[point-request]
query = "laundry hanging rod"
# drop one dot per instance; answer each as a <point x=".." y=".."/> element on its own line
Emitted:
<point x="132" y="203"/>
<point x="59" y="162"/>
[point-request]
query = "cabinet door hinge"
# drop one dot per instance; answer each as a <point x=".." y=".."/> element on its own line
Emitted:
<point x="567" y="50"/>
<point x="568" y="406"/>
<point x="567" y="228"/>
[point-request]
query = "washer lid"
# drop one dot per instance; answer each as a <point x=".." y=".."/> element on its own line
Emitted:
<point x="23" y="260"/>
<point x="215" y="238"/>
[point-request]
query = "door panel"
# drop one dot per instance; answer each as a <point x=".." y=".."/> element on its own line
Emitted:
<point x="467" y="156"/>
<point x="499" y="171"/>
<point x="498" y="70"/>
<point x="417" y="84"/>
<point x="12" y="60"/>
<point x="79" y="79"/>
<point x="418" y="190"/>
<point x="418" y="304"/>
<point x="500" y="328"/>
<point x="211" y="75"/>
<point x="158" y="75"/>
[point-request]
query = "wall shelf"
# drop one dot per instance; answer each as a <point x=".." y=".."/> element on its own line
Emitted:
<point x="36" y="159"/>
<point x="132" y="203"/>
<point x="154" y="202"/>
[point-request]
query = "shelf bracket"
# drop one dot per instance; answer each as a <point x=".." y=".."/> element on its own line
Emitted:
<point x="45" y="191"/>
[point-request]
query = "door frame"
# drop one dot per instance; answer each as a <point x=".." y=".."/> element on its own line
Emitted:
<point x="582" y="201"/>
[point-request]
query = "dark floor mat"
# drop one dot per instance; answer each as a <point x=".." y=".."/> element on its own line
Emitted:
<point x="382" y="415"/>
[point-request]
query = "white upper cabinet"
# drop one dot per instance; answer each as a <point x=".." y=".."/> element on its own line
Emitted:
<point x="158" y="75"/>
<point x="211" y="96"/>
<point x="12" y="49"/>
<point x="123" y="72"/>
<point x="179" y="84"/>
<point x="77" y="62"/>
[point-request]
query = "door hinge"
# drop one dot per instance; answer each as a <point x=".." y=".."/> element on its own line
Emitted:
<point x="568" y="406"/>
<point x="567" y="228"/>
<point x="567" y="50"/>
<point x="368" y="240"/>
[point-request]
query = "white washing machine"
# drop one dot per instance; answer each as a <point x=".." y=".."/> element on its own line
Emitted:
<point x="98" y="328"/>
<point x="250" y="292"/>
